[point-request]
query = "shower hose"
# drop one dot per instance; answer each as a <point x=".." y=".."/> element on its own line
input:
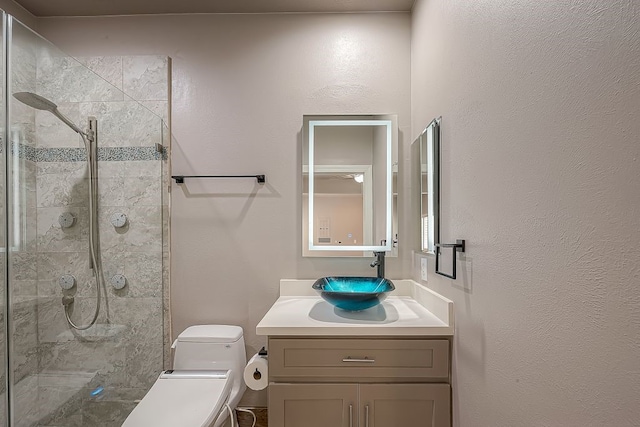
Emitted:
<point x="94" y="251"/>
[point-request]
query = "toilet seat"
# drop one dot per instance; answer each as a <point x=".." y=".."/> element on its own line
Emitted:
<point x="182" y="398"/>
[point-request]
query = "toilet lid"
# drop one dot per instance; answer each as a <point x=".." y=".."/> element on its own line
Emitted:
<point x="189" y="401"/>
<point x="211" y="333"/>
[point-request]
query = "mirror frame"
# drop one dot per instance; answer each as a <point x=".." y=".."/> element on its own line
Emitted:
<point x="429" y="143"/>
<point x="311" y="124"/>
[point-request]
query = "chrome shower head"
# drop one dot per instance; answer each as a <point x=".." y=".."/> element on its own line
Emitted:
<point x="41" y="103"/>
<point x="35" y="101"/>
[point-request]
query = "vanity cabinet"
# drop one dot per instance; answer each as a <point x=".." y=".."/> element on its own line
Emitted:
<point x="359" y="382"/>
<point x="313" y="405"/>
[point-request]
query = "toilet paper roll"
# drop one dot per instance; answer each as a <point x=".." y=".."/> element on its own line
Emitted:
<point x="256" y="373"/>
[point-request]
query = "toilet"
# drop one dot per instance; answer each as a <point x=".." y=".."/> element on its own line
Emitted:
<point x="205" y="382"/>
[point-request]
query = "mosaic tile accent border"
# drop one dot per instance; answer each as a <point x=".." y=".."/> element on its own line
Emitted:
<point x="105" y="154"/>
<point x="120" y="154"/>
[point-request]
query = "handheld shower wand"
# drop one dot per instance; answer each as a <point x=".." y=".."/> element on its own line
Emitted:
<point x="90" y="138"/>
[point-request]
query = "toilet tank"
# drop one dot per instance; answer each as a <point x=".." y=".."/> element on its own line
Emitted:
<point x="210" y="348"/>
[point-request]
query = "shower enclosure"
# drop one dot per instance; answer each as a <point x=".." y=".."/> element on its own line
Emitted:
<point x="83" y="232"/>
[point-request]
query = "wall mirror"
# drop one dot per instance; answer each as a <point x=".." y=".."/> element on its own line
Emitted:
<point x="428" y="146"/>
<point x="349" y="169"/>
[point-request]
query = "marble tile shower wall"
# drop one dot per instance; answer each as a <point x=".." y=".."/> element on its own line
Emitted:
<point x="128" y="348"/>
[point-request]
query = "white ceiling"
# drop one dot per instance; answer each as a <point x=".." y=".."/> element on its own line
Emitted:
<point x="42" y="8"/>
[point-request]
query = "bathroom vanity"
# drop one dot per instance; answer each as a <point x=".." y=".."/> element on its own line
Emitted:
<point x="382" y="367"/>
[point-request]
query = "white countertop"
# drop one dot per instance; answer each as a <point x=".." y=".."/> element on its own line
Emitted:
<point x="410" y="310"/>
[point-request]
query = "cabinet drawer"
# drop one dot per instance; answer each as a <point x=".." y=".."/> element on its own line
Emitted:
<point x="337" y="359"/>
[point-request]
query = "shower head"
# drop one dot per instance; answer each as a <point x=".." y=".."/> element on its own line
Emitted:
<point x="35" y="101"/>
<point x="41" y="103"/>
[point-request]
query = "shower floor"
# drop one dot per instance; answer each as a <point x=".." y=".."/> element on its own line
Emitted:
<point x="44" y="397"/>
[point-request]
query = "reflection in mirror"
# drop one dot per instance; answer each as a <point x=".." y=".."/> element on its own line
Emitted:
<point x="429" y="147"/>
<point x="349" y="168"/>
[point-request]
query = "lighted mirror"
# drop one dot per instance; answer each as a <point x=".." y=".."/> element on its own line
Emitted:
<point x="349" y="170"/>
<point x="428" y="144"/>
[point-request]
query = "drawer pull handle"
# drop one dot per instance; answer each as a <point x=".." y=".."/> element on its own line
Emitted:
<point x="366" y="416"/>
<point x="365" y="360"/>
<point x="350" y="415"/>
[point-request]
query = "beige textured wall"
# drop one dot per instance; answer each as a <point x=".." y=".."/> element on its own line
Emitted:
<point x="540" y="127"/>
<point x="241" y="84"/>
<point x="20" y="13"/>
<point x="540" y="105"/>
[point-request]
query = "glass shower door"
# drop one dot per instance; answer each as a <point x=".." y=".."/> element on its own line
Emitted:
<point x="91" y="374"/>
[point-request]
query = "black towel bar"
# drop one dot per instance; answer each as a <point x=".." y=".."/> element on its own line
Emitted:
<point x="180" y="178"/>
<point x="458" y="246"/>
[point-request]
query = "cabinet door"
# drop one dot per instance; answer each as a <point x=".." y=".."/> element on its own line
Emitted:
<point x="416" y="405"/>
<point x="313" y="405"/>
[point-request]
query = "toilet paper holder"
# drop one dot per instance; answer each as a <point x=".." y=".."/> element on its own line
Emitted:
<point x="257" y="374"/>
<point x="256" y="371"/>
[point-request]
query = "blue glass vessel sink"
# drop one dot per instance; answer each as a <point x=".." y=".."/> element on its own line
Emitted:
<point x="353" y="293"/>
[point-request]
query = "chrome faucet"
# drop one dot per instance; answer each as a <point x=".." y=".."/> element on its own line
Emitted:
<point x="379" y="262"/>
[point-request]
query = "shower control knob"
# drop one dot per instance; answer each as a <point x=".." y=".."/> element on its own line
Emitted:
<point x="118" y="220"/>
<point x="67" y="281"/>
<point x="118" y="281"/>
<point x="66" y="220"/>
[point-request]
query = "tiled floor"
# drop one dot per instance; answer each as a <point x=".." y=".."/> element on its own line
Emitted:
<point x="246" y="420"/>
